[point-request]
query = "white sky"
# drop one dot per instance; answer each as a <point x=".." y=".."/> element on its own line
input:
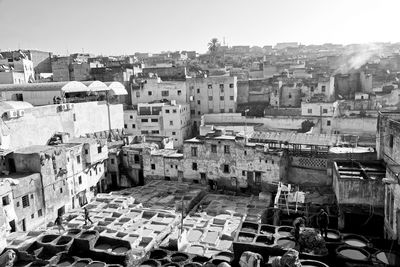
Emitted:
<point x="128" y="26"/>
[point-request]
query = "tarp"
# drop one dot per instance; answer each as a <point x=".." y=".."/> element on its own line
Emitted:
<point x="116" y="88"/>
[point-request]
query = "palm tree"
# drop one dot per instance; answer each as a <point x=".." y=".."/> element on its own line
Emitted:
<point x="213" y="48"/>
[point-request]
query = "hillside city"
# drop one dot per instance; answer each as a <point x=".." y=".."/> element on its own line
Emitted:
<point x="281" y="155"/>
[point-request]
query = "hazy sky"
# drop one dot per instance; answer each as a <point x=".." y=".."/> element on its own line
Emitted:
<point x="128" y="26"/>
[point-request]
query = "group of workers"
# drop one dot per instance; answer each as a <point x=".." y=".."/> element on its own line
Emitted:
<point x="59" y="220"/>
<point x="322" y="222"/>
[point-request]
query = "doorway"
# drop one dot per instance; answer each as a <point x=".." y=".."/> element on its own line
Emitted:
<point x="12" y="226"/>
<point x="11" y="165"/>
<point x="61" y="211"/>
<point x="23" y="225"/>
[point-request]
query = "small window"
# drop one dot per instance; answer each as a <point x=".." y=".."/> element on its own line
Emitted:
<point x="112" y="161"/>
<point x="155" y="132"/>
<point x="133" y="126"/>
<point x="232" y="97"/>
<point x="222" y="110"/>
<point x="221" y="98"/>
<point x="80" y="179"/>
<point x="245" y="153"/>
<point x="226" y="149"/>
<point x="74" y="117"/>
<point x="86" y="151"/>
<point x="323" y="88"/>
<point x="99" y="149"/>
<point x="198" y="90"/>
<point x="32" y="216"/>
<point x="32" y="194"/>
<point x="226" y="168"/>
<point x="328" y="123"/>
<point x="136" y="158"/>
<point x="145" y="120"/>
<point x="167" y="111"/>
<point x="6" y="200"/>
<point x="78" y="159"/>
<point x="131" y="117"/>
<point x="61" y="190"/>
<point x="174" y="111"/>
<point x="192" y="112"/>
<point x="194" y="166"/>
<point x="171" y="123"/>
<point x="198" y="102"/>
<point x="209" y="86"/>
<point x="40" y="213"/>
<point x="173" y="133"/>
<point x="210" y="98"/>
<point x="290" y="95"/>
<point x="194" y="151"/>
<point x="221" y="86"/>
<point x="243" y="173"/>
<point x="213" y="148"/>
<point x="17" y="203"/>
<point x="325" y="111"/>
<point x="179" y="92"/>
<point x="150" y="92"/>
<point x="154" y="120"/>
<point x="137" y="94"/>
<point x="125" y="126"/>
<point x="230" y="110"/>
<point x="153" y="166"/>
<point x="145" y="132"/>
<point x="309" y="111"/>
<point x="25" y="201"/>
<point x="231" y="85"/>
<point x="164" y="93"/>
<point x="272" y="162"/>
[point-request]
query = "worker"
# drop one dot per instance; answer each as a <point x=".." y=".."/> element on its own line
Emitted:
<point x="59" y="222"/>
<point x="297" y="223"/>
<point x="87" y="218"/>
<point x="323" y="222"/>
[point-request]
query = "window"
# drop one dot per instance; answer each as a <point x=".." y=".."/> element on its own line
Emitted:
<point x="153" y="166"/>
<point x="391" y="141"/>
<point x="194" y="151"/>
<point x="86" y="151"/>
<point x="210" y="98"/>
<point x="167" y="111"/>
<point x="78" y="159"/>
<point x="137" y="94"/>
<point x="61" y="190"/>
<point x="179" y="92"/>
<point x="231" y="110"/>
<point x="145" y="132"/>
<point x="80" y="179"/>
<point x="136" y="158"/>
<point x="231" y="85"/>
<point x="99" y="149"/>
<point x="232" y="97"/>
<point x="272" y="162"/>
<point x="290" y="95"/>
<point x="325" y="110"/>
<point x="171" y="123"/>
<point x="154" y="120"/>
<point x="323" y="88"/>
<point x="243" y="173"/>
<point x="213" y="148"/>
<point x="32" y="215"/>
<point x="155" y="132"/>
<point x="198" y="90"/>
<point x="226" y="149"/>
<point x="149" y="92"/>
<point x="226" y="168"/>
<point x="174" y="111"/>
<point x="17" y="203"/>
<point x="221" y="86"/>
<point x="258" y="178"/>
<point x="221" y="98"/>
<point x="194" y="166"/>
<point x="125" y="126"/>
<point x="328" y="123"/>
<point x="164" y="93"/>
<point x="210" y="110"/>
<point x="113" y="161"/>
<point x="198" y="102"/>
<point x="133" y="126"/>
<point x="222" y="110"/>
<point x="309" y="110"/>
<point x="131" y="117"/>
<point x="90" y="173"/>
<point x="210" y="86"/>
<point x="173" y="133"/>
<point x="32" y="194"/>
<point x="74" y="117"/>
<point x="245" y="153"/>
<point x="192" y="112"/>
<point x="6" y="200"/>
<point x="40" y="213"/>
<point x="25" y="201"/>
<point x="144" y="120"/>
<point x="312" y="88"/>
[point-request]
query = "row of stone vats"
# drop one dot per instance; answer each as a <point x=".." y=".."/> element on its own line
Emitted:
<point x="132" y="229"/>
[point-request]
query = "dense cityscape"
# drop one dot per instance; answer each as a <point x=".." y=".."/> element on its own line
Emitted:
<point x="279" y="155"/>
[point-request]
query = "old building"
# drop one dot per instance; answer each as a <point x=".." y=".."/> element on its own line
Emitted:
<point x="388" y="145"/>
<point x="74" y="67"/>
<point x="214" y="94"/>
<point x="16" y="68"/>
<point x="159" y="118"/>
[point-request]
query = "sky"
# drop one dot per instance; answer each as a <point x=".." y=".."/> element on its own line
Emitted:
<point x="118" y="27"/>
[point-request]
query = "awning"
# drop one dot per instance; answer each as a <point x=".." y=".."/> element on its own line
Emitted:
<point x="74" y="87"/>
<point x="96" y="86"/>
<point x="116" y="88"/>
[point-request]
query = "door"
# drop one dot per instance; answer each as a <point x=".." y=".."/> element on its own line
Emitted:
<point x="23" y="225"/>
<point x="12" y="226"/>
<point x="61" y="211"/>
<point x="73" y="202"/>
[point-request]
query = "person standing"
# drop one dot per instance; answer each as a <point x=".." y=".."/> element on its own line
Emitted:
<point x="298" y="222"/>
<point x="59" y="223"/>
<point x="87" y="217"/>
<point x="323" y="222"/>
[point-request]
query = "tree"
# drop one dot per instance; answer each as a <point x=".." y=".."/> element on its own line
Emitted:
<point x="213" y="48"/>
